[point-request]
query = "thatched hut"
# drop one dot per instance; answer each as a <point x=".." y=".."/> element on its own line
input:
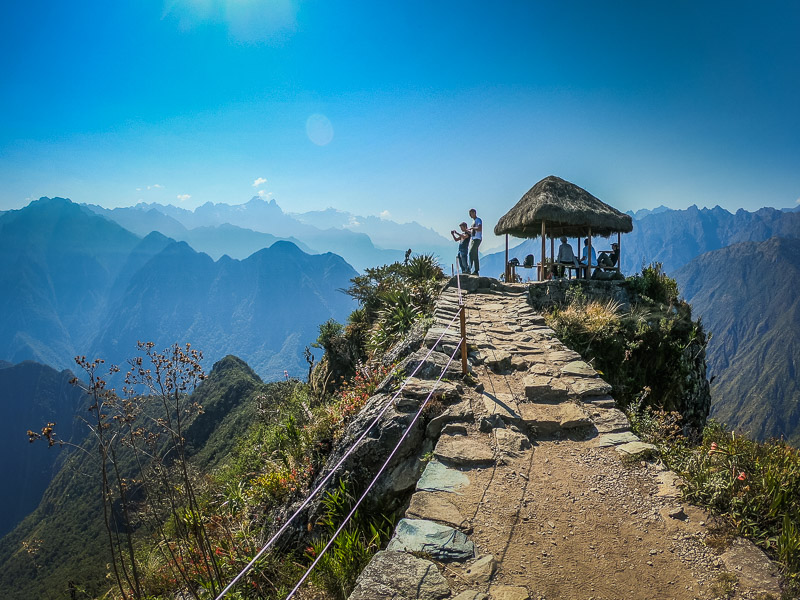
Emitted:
<point x="555" y="207"/>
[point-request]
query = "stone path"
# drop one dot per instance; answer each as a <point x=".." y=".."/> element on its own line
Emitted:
<point x="537" y="489"/>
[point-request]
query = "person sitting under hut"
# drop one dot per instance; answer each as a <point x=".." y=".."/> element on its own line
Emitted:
<point x="609" y="259"/>
<point x="566" y="256"/>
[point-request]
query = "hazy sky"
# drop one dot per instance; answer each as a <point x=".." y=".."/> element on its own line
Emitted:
<point x="424" y="109"/>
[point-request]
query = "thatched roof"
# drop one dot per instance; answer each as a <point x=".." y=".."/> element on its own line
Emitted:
<point x="566" y="209"/>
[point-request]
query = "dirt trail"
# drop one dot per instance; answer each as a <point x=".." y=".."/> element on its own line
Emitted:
<point x="542" y="474"/>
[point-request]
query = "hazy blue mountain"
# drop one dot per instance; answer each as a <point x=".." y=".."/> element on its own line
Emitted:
<point x="675" y="237"/>
<point x="672" y="237"/>
<point x="384" y="233"/>
<point x="266" y="216"/>
<point x="77" y="283"/>
<point x="747" y="297"/>
<point x="59" y="262"/>
<point x="142" y="221"/>
<point x="643" y="212"/>
<point x="31" y="395"/>
<point x="236" y="242"/>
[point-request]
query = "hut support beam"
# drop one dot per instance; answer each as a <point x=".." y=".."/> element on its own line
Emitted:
<point x="544" y="252"/>
<point x="506" y="274"/>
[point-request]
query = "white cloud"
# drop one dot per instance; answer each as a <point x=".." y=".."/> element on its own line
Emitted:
<point x="155" y="186"/>
<point x="264" y="194"/>
<point x="259" y="181"/>
<point x="183" y="197"/>
<point x="385" y="215"/>
<point x="797" y="201"/>
<point x="138" y="189"/>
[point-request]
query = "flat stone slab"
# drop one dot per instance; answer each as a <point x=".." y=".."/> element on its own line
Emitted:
<point x="509" y="592"/>
<point x="578" y="367"/>
<point x="439" y="541"/>
<point x="600" y="401"/>
<point x="637" y="449"/>
<point x="503" y="405"/>
<point x="520" y="363"/>
<point x="420" y="388"/>
<point x="542" y="369"/>
<point x="610" y="420"/>
<point x="511" y="442"/>
<point x="585" y="387"/>
<point x="393" y="575"/>
<point x="439" y="478"/>
<point x="471" y="595"/>
<point x="498" y="361"/>
<point x="462" y="451"/>
<point x="669" y="485"/>
<point x="562" y="356"/>
<point x="754" y="570"/>
<point x="541" y="388"/>
<point x="456" y="413"/>
<point x="615" y="439"/>
<point x="481" y="570"/>
<point x="550" y="418"/>
<point x="431" y="506"/>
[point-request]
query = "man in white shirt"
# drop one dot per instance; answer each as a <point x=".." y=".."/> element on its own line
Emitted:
<point x="477" y="236"/>
<point x="584" y="258"/>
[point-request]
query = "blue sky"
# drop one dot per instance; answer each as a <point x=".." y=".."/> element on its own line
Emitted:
<point x="422" y="109"/>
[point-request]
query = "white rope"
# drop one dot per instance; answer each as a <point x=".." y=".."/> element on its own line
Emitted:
<point x="377" y="475"/>
<point x="327" y="478"/>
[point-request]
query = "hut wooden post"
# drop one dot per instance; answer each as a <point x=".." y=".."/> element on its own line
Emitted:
<point x="619" y="253"/>
<point x="506" y="270"/>
<point x="544" y="252"/>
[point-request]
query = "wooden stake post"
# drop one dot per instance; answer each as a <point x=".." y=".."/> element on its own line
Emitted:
<point x="462" y="316"/>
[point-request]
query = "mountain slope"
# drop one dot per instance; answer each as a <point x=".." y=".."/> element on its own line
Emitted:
<point x="69" y="519"/>
<point x="30" y="395"/>
<point x="747" y="297"/>
<point x="266" y="308"/>
<point x="59" y="262"/>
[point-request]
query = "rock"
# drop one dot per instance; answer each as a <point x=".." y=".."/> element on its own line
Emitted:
<point x="464" y="452"/>
<point x="600" y="401"/>
<point x="541" y="388"/>
<point x="481" y="569"/>
<point x="511" y="442"/>
<point x="438" y="478"/>
<point x="668" y="482"/>
<point x="419" y="389"/>
<point x="637" y="450"/>
<point x="542" y="369"/>
<point x="610" y="420"/>
<point x="454" y="429"/>
<point x="439" y="541"/>
<point x="471" y="595"/>
<point x="584" y="388"/>
<point x="676" y="512"/>
<point x="431" y="367"/>
<point x="461" y="412"/>
<point x="573" y="416"/>
<point x="433" y="507"/>
<point x="509" y="592"/>
<point x="754" y="570"/>
<point x="578" y="367"/>
<point x="502" y="405"/>
<point x="498" y="361"/>
<point x="519" y="363"/>
<point x="615" y="439"/>
<point x="393" y="575"/>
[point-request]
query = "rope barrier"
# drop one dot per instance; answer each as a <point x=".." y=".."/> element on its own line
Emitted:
<point x="377" y="475"/>
<point x="327" y="478"/>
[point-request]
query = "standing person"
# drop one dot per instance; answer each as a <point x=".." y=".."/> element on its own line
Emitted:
<point x="585" y="258"/>
<point x="477" y="236"/>
<point x="463" y="246"/>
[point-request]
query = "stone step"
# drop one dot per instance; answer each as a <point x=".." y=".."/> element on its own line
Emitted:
<point x="440" y="542"/>
<point x="548" y="419"/>
<point x="541" y="388"/>
<point x="462" y="451"/>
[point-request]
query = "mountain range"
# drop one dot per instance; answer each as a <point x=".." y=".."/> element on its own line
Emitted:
<point x="236" y="230"/>
<point x="75" y="282"/>
<point x="671" y="237"/>
<point x="746" y="295"/>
